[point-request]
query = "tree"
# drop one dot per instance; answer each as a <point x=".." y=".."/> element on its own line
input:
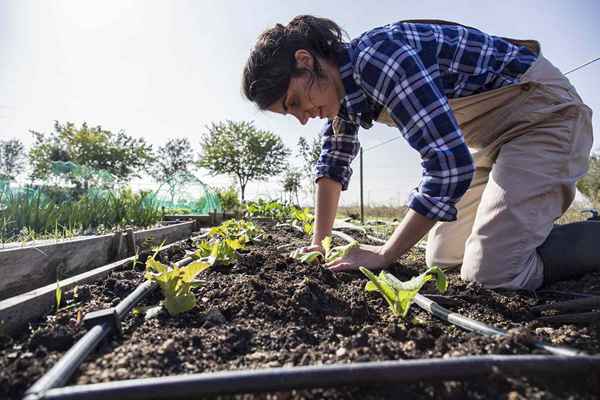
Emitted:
<point x="91" y="149"/>
<point x="172" y="165"/>
<point x="310" y="153"/>
<point x="241" y="150"/>
<point x="589" y="185"/>
<point x="229" y="198"/>
<point x="292" y="184"/>
<point x="12" y="157"/>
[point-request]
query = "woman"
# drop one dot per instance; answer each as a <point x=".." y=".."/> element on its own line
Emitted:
<point x="450" y="90"/>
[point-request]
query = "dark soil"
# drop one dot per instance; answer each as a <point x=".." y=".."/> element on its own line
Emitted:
<point x="269" y="311"/>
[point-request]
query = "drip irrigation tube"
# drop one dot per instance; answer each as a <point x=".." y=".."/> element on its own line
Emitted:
<point x="483" y="329"/>
<point x="62" y="371"/>
<point x="290" y="378"/>
<point x="472" y="325"/>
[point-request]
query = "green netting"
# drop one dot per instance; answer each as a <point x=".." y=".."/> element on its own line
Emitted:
<point x="194" y="197"/>
<point x="207" y="202"/>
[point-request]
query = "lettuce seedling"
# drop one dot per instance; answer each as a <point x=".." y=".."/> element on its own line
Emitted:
<point x="331" y="253"/>
<point x="399" y="295"/>
<point x="243" y="231"/>
<point x="175" y="283"/>
<point x="222" y="252"/>
<point x="303" y="219"/>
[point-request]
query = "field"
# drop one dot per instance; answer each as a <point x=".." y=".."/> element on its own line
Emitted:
<point x="267" y="310"/>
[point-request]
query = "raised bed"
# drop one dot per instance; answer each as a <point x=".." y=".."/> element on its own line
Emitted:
<point x="27" y="268"/>
<point x="268" y="311"/>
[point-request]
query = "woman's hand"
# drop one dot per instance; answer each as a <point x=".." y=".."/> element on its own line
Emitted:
<point x="311" y="248"/>
<point x="371" y="257"/>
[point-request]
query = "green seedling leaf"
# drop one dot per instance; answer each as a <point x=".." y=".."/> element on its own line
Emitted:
<point x="340" y="251"/>
<point x="331" y="254"/>
<point x="326" y="244"/>
<point x="175" y="283"/>
<point x="399" y="295"/>
<point x="311" y="258"/>
<point x="58" y="295"/>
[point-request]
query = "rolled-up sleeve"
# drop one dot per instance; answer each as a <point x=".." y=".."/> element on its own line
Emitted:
<point x="393" y="75"/>
<point x="337" y="152"/>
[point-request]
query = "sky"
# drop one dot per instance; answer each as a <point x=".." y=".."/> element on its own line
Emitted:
<point x="164" y="69"/>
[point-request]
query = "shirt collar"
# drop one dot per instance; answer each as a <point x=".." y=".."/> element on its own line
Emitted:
<point x="355" y="106"/>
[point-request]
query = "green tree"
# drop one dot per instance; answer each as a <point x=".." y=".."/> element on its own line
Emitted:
<point x="91" y="148"/>
<point x="172" y="165"/>
<point x="240" y="150"/>
<point x="12" y="158"/>
<point x="589" y="185"/>
<point x="229" y="198"/>
<point x="292" y="182"/>
<point x="310" y="153"/>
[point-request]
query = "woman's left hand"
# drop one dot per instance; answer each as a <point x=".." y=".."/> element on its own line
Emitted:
<point x="363" y="255"/>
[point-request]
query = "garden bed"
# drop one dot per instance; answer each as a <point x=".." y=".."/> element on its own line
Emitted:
<point x="270" y="311"/>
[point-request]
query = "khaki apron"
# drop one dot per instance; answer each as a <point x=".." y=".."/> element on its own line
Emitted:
<point x="531" y="142"/>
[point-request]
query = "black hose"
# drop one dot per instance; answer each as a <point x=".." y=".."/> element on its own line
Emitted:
<point x="479" y="327"/>
<point x="363" y="374"/>
<point x="62" y="371"/>
<point x="473" y="325"/>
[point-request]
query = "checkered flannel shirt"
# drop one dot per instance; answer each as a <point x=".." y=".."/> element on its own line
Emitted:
<point x="411" y="70"/>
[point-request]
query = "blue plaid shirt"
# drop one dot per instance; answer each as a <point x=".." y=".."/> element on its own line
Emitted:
<point x="410" y="70"/>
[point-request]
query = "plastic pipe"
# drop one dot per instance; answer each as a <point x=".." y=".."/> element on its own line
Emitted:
<point x="62" y="371"/>
<point x="290" y="378"/>
<point x="473" y="325"/>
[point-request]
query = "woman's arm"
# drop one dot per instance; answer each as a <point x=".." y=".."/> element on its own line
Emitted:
<point x="326" y="198"/>
<point x="413" y="227"/>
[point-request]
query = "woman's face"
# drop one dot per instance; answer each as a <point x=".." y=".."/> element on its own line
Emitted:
<point x="305" y="99"/>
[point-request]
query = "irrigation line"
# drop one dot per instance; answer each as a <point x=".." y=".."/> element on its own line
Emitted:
<point x="62" y="371"/>
<point x="472" y="325"/>
<point x="322" y="376"/>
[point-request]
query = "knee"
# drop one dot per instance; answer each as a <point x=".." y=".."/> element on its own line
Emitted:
<point x="497" y="268"/>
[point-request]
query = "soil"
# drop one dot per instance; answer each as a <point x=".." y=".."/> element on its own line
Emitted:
<point x="270" y="311"/>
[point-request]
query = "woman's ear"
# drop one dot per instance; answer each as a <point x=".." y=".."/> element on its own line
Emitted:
<point x="304" y="59"/>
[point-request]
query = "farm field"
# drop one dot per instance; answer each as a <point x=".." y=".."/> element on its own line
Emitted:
<point x="267" y="310"/>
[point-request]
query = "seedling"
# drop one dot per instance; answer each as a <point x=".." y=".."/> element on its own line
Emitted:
<point x="222" y="252"/>
<point x="57" y="295"/>
<point x="331" y="253"/>
<point x="304" y="220"/>
<point x="243" y="231"/>
<point x="175" y="283"/>
<point x="399" y="295"/>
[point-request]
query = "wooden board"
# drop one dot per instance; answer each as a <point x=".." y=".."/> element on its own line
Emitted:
<point x="26" y="268"/>
<point x="16" y="312"/>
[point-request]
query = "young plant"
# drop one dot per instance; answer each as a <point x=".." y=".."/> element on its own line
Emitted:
<point x="58" y="294"/>
<point x="243" y="231"/>
<point x="303" y="219"/>
<point x="222" y="252"/>
<point x="331" y="253"/>
<point x="399" y="295"/>
<point x="175" y="283"/>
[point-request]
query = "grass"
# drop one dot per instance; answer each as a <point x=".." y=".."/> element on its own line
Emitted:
<point x="575" y="214"/>
<point x="40" y="213"/>
<point x="392" y="213"/>
<point x="384" y="213"/>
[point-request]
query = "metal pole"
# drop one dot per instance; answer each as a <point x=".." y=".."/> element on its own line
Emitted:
<point x="362" y="204"/>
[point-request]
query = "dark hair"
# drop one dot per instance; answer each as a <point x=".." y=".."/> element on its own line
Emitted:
<point x="272" y="62"/>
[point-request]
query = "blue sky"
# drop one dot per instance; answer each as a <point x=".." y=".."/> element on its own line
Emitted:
<point x="161" y="69"/>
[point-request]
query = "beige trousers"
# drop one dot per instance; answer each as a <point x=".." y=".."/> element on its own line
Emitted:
<point x="531" y="142"/>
